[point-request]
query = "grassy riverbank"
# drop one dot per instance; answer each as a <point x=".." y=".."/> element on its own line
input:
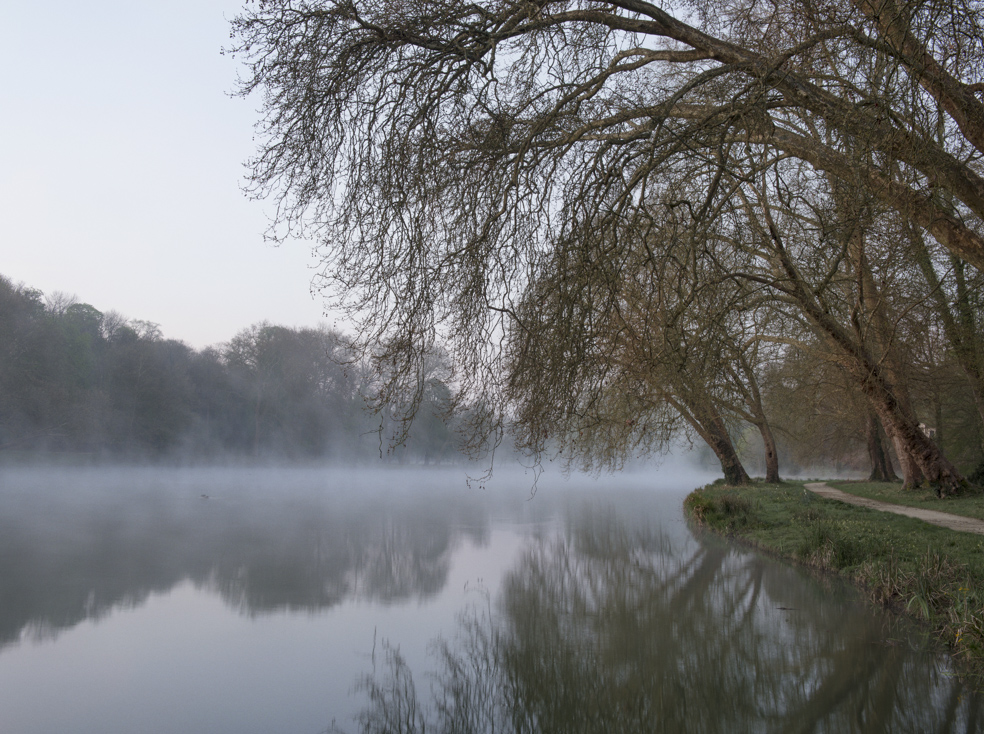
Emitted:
<point x="931" y="573"/>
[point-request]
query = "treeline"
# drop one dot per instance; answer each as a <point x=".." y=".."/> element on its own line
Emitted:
<point x="76" y="380"/>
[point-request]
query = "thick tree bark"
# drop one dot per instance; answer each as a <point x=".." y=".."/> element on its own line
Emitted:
<point x="920" y="457"/>
<point x="881" y="462"/>
<point x="771" y="454"/>
<point x="912" y="475"/>
<point x="872" y="356"/>
<point x="968" y="344"/>
<point x="917" y="453"/>
<point x="720" y="443"/>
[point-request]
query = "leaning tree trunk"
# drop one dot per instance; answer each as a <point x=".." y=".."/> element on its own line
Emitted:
<point x="912" y="475"/>
<point x="878" y="386"/>
<point x="724" y="449"/>
<point x="710" y="426"/>
<point x="881" y="462"/>
<point x="900" y="425"/>
<point x="874" y="355"/>
<point x="917" y="454"/>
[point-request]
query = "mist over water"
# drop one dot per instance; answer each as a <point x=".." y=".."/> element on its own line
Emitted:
<point x="254" y="600"/>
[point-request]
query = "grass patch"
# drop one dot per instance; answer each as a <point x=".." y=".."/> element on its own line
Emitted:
<point x="724" y="509"/>
<point x="970" y="503"/>
<point x="933" y="574"/>
<point x="827" y="545"/>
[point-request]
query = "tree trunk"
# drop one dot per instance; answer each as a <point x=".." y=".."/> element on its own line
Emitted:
<point x="912" y="475"/>
<point x="753" y="400"/>
<point x="734" y="472"/>
<point x="771" y="454"/>
<point x="709" y="425"/>
<point x="875" y="360"/>
<point x="919" y="457"/>
<point x="881" y="462"/>
<point x="900" y="425"/>
<point x="715" y="434"/>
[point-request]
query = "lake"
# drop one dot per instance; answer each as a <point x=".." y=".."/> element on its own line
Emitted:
<point x="303" y="601"/>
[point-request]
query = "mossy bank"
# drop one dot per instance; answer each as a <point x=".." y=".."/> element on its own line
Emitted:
<point x="931" y="573"/>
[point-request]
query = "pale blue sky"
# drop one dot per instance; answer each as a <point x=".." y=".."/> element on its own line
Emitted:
<point x="121" y="163"/>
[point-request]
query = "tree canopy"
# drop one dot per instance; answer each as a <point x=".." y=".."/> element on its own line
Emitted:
<point x="601" y="209"/>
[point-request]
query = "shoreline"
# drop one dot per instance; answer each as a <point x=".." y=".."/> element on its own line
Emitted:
<point x="930" y="574"/>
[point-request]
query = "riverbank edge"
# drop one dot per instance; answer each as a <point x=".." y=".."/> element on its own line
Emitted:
<point x="935" y="590"/>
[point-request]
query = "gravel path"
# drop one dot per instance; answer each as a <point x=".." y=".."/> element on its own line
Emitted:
<point x="943" y="519"/>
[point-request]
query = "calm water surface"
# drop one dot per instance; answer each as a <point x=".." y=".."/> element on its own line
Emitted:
<point x="305" y="601"/>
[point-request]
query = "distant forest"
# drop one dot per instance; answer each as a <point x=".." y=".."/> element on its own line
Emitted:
<point x="76" y="381"/>
<point x="84" y="384"/>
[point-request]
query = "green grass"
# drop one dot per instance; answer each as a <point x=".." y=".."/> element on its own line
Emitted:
<point x="931" y="573"/>
<point x="968" y="504"/>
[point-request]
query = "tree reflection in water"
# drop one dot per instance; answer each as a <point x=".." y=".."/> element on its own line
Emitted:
<point x="75" y="546"/>
<point x="607" y="630"/>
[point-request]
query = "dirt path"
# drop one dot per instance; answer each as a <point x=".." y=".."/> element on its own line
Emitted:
<point x="943" y="519"/>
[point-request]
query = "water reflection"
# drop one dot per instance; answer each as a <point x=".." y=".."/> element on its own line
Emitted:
<point x="607" y="629"/>
<point x="73" y="550"/>
<point x="603" y="612"/>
